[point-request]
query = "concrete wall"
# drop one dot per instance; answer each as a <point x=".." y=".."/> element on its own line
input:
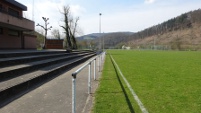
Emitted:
<point x="6" y="6"/>
<point x="12" y="22"/>
<point x="10" y="42"/>
<point x="29" y="42"/>
<point x="19" y="21"/>
<point x="23" y="41"/>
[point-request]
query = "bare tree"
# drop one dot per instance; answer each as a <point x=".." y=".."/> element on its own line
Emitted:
<point x="45" y="28"/>
<point x="56" y="34"/>
<point x="70" y="27"/>
<point x="74" y="43"/>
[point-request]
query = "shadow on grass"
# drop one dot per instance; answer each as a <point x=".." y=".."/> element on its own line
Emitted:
<point x="123" y="89"/>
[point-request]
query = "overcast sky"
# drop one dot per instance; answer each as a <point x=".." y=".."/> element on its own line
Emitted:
<point x="117" y="15"/>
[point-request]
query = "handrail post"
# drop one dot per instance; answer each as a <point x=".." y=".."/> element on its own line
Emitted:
<point x="89" y="79"/>
<point x="73" y="93"/>
<point x="97" y="59"/>
<point x="102" y="57"/>
<point x="98" y="63"/>
<point x="95" y="69"/>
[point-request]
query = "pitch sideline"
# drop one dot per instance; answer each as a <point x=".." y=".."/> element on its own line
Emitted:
<point x="140" y="104"/>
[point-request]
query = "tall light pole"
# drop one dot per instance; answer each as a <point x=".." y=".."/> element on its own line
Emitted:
<point x="100" y="28"/>
<point x="33" y="11"/>
<point x="100" y="22"/>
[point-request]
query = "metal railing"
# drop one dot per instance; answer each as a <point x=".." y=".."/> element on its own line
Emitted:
<point x="99" y="59"/>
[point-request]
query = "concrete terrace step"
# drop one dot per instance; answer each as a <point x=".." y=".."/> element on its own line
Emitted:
<point x="25" y="59"/>
<point x="19" y="60"/>
<point x="11" y="54"/>
<point x="20" y="53"/>
<point x="16" y="70"/>
<point x="43" y="70"/>
<point x="25" y="77"/>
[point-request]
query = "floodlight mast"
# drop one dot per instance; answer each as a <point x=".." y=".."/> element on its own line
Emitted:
<point x="33" y="11"/>
<point x="100" y="14"/>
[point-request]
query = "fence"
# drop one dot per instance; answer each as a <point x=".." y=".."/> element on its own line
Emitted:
<point x="54" y="44"/>
<point x="99" y="59"/>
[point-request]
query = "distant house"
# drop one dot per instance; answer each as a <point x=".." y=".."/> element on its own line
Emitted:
<point x="13" y="26"/>
<point x="124" y="47"/>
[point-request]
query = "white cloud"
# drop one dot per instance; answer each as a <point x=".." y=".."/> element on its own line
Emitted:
<point x="136" y="18"/>
<point x="132" y="18"/>
<point x="149" y="1"/>
<point x="77" y="10"/>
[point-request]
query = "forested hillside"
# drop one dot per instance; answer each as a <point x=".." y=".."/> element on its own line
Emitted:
<point x="179" y="33"/>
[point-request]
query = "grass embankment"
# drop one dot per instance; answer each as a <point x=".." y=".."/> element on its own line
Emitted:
<point x="165" y="82"/>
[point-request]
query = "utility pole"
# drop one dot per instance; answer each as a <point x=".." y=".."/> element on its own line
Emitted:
<point x="100" y="28"/>
<point x="156" y="37"/>
<point x="46" y="29"/>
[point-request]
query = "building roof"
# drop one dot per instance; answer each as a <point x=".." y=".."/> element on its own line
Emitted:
<point x="17" y="4"/>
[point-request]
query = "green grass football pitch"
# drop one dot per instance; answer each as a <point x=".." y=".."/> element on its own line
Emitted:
<point x="164" y="81"/>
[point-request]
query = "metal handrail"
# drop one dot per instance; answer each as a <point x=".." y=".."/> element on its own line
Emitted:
<point x="100" y="58"/>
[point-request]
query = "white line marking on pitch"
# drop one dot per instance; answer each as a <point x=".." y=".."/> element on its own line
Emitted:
<point x="143" y="109"/>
